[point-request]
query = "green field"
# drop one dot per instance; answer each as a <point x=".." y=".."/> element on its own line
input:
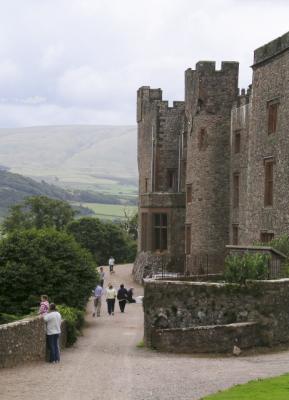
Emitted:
<point x="109" y="211"/>
<point x="267" y="389"/>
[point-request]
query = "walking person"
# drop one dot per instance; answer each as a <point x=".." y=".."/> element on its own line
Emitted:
<point x="44" y="305"/>
<point x="101" y="276"/>
<point x="53" y="330"/>
<point x="98" y="291"/>
<point x="111" y="262"/>
<point x="122" y="297"/>
<point x="110" y="299"/>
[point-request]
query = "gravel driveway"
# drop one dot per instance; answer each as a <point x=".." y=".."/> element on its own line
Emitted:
<point x="106" y="364"/>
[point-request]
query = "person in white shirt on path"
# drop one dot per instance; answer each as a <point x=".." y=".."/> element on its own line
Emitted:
<point x="53" y="330"/>
<point x="110" y="299"/>
<point x="111" y="262"/>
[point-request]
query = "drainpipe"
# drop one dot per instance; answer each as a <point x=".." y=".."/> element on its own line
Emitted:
<point x="152" y="161"/>
<point x="179" y="161"/>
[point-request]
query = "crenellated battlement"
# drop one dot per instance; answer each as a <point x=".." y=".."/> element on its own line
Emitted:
<point x="145" y="92"/>
<point x="244" y="97"/>
<point x="271" y="49"/>
<point x="146" y="95"/>
<point x="209" y="90"/>
<point x="209" y="67"/>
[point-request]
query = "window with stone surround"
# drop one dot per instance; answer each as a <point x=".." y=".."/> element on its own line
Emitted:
<point x="236" y="189"/>
<point x="202" y="139"/>
<point x="144" y="227"/>
<point x="189" y="193"/>
<point x="237" y="144"/>
<point x="268" y="192"/>
<point x="272" y="112"/>
<point x="160" y="232"/>
<point x="266" y="237"/>
<point x="146" y="185"/>
<point x="188" y="238"/>
<point x="235" y="238"/>
<point x="171" y="179"/>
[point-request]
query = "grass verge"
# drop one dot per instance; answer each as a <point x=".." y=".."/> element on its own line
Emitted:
<point x="262" y="389"/>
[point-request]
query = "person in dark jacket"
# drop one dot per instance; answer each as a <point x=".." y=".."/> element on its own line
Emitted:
<point x="122" y="297"/>
<point x="130" y="299"/>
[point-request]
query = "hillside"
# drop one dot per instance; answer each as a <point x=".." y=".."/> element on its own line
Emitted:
<point x="14" y="188"/>
<point x="96" y="158"/>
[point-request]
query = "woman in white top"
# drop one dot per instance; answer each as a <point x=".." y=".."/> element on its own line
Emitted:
<point x="110" y="298"/>
<point x="53" y="330"/>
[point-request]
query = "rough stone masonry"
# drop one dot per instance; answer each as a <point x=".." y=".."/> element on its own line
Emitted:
<point x="213" y="170"/>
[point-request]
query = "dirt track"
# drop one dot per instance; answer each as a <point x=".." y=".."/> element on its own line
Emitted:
<point x="106" y="364"/>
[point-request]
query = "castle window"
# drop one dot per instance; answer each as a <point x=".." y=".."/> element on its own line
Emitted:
<point x="202" y="139"/>
<point x="237" y="146"/>
<point x="188" y="239"/>
<point x="171" y="178"/>
<point x="266" y="237"/>
<point x="146" y="185"/>
<point x="235" y="234"/>
<point x="272" y="116"/>
<point x="144" y="227"/>
<point x="268" y="195"/>
<point x="236" y="189"/>
<point x="189" y="193"/>
<point x="160" y="232"/>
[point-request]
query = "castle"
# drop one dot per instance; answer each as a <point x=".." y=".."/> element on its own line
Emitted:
<point x="214" y="169"/>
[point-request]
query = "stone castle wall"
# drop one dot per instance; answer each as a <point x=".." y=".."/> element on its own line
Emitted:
<point x="240" y="118"/>
<point x="256" y="314"/>
<point x="270" y="84"/>
<point x="210" y="95"/>
<point x="25" y="340"/>
<point x="161" y="174"/>
<point x="198" y="139"/>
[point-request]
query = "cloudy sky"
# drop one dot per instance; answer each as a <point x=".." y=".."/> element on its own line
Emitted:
<point x="81" y="61"/>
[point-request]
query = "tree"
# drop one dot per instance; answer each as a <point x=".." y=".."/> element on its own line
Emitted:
<point x="38" y="212"/>
<point x="35" y="262"/>
<point x="130" y="223"/>
<point x="103" y="239"/>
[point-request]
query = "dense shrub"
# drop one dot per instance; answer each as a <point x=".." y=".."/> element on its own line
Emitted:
<point x="281" y="244"/>
<point x="7" y="318"/>
<point x="34" y="262"/>
<point x="74" y="321"/>
<point x="238" y="268"/>
<point x="103" y="239"/>
<point x="38" y="212"/>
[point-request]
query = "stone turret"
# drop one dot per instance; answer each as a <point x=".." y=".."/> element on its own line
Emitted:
<point x="161" y="183"/>
<point x="209" y="95"/>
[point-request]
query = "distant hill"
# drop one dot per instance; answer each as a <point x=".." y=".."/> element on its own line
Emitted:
<point x="14" y="188"/>
<point x="98" y="158"/>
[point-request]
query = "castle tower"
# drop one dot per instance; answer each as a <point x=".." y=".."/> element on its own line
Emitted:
<point x="239" y="172"/>
<point x="268" y="180"/>
<point x="161" y="184"/>
<point x="209" y="96"/>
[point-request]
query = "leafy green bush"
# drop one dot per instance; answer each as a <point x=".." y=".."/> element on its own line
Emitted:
<point x="238" y="268"/>
<point x="7" y="318"/>
<point x="34" y="262"/>
<point x="38" y="212"/>
<point x="103" y="239"/>
<point x="281" y="244"/>
<point x="74" y="321"/>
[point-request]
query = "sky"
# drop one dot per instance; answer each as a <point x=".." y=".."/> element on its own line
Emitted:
<point x="65" y="62"/>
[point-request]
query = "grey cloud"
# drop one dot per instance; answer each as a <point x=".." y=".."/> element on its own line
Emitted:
<point x="81" y="61"/>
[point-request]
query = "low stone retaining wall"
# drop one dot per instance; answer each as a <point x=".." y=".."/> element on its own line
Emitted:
<point x="148" y="264"/>
<point x="174" y="309"/>
<point x="25" y="340"/>
<point x="204" y="339"/>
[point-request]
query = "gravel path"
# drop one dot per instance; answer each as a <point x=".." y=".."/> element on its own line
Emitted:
<point x="106" y="364"/>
